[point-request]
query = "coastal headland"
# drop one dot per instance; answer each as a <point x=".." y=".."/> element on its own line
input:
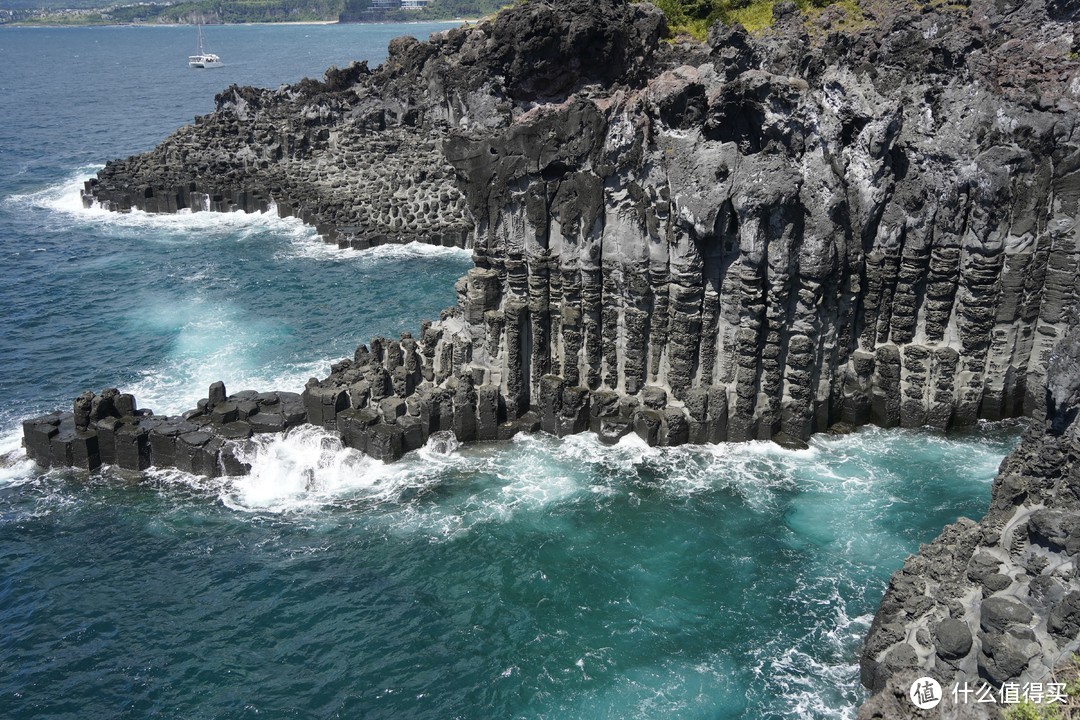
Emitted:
<point x="851" y="216"/>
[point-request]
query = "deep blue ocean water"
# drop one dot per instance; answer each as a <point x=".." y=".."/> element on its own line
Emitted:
<point x="532" y="579"/>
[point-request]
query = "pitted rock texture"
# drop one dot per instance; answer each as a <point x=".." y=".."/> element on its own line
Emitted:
<point x="362" y="173"/>
<point x="999" y="600"/>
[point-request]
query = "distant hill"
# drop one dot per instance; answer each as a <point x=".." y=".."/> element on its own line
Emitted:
<point x="97" y="12"/>
<point x="376" y="10"/>
<point x="49" y="4"/>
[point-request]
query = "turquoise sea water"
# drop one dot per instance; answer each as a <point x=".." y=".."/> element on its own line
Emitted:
<point x="533" y="579"/>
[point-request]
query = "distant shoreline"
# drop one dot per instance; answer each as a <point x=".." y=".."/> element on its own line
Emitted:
<point x="284" y="22"/>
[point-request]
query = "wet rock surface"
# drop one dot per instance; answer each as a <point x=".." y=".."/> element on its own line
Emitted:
<point x="109" y="429"/>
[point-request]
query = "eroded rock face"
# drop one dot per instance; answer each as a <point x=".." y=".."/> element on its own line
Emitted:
<point x="781" y="235"/>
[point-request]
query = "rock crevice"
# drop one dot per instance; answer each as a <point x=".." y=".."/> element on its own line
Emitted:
<point x="995" y="601"/>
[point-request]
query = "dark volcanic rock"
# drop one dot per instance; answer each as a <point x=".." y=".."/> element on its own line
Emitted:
<point x="952" y="639"/>
<point x="201" y="441"/>
<point x="548" y="50"/>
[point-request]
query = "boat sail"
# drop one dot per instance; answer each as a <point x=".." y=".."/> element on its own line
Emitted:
<point x="202" y="58"/>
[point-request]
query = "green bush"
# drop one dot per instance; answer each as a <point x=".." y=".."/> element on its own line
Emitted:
<point x="1028" y="710"/>
<point x="693" y="17"/>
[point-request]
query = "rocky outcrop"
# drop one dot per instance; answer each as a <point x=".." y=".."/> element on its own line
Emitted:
<point x="779" y="236"/>
<point x="359" y="172"/>
<point x="996" y="601"/>
<point x="356" y="155"/>
<point x="109" y="429"/>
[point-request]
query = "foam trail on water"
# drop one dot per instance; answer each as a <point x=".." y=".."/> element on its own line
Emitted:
<point x="816" y="676"/>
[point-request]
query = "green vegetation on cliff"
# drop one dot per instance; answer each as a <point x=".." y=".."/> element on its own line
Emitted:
<point x="685" y="17"/>
<point x="693" y="17"/>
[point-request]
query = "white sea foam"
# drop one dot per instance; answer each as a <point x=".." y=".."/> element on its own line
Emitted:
<point x="817" y="676"/>
<point x="673" y="687"/>
<point x="534" y="473"/>
<point x="65" y="200"/>
<point x="15" y="466"/>
<point x="493" y="485"/>
<point x="312" y="247"/>
<point x="302" y="468"/>
<point x="446" y="491"/>
<point x="308" y="468"/>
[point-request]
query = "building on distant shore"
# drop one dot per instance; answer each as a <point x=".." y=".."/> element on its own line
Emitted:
<point x="379" y="10"/>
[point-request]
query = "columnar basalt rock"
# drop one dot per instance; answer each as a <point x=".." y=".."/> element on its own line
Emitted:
<point x="777" y="232"/>
<point x="109" y="429"/>
<point x="822" y="239"/>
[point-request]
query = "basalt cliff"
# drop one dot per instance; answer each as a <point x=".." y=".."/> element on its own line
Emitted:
<point x="863" y="214"/>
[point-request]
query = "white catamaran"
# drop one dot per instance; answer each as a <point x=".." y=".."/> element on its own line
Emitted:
<point x="202" y="58"/>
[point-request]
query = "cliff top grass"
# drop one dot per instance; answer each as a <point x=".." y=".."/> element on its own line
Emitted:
<point x="694" y="17"/>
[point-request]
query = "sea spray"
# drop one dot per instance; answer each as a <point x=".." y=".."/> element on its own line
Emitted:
<point x="64" y="206"/>
<point x="298" y="469"/>
<point x="164" y="305"/>
<point x="312" y="247"/>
